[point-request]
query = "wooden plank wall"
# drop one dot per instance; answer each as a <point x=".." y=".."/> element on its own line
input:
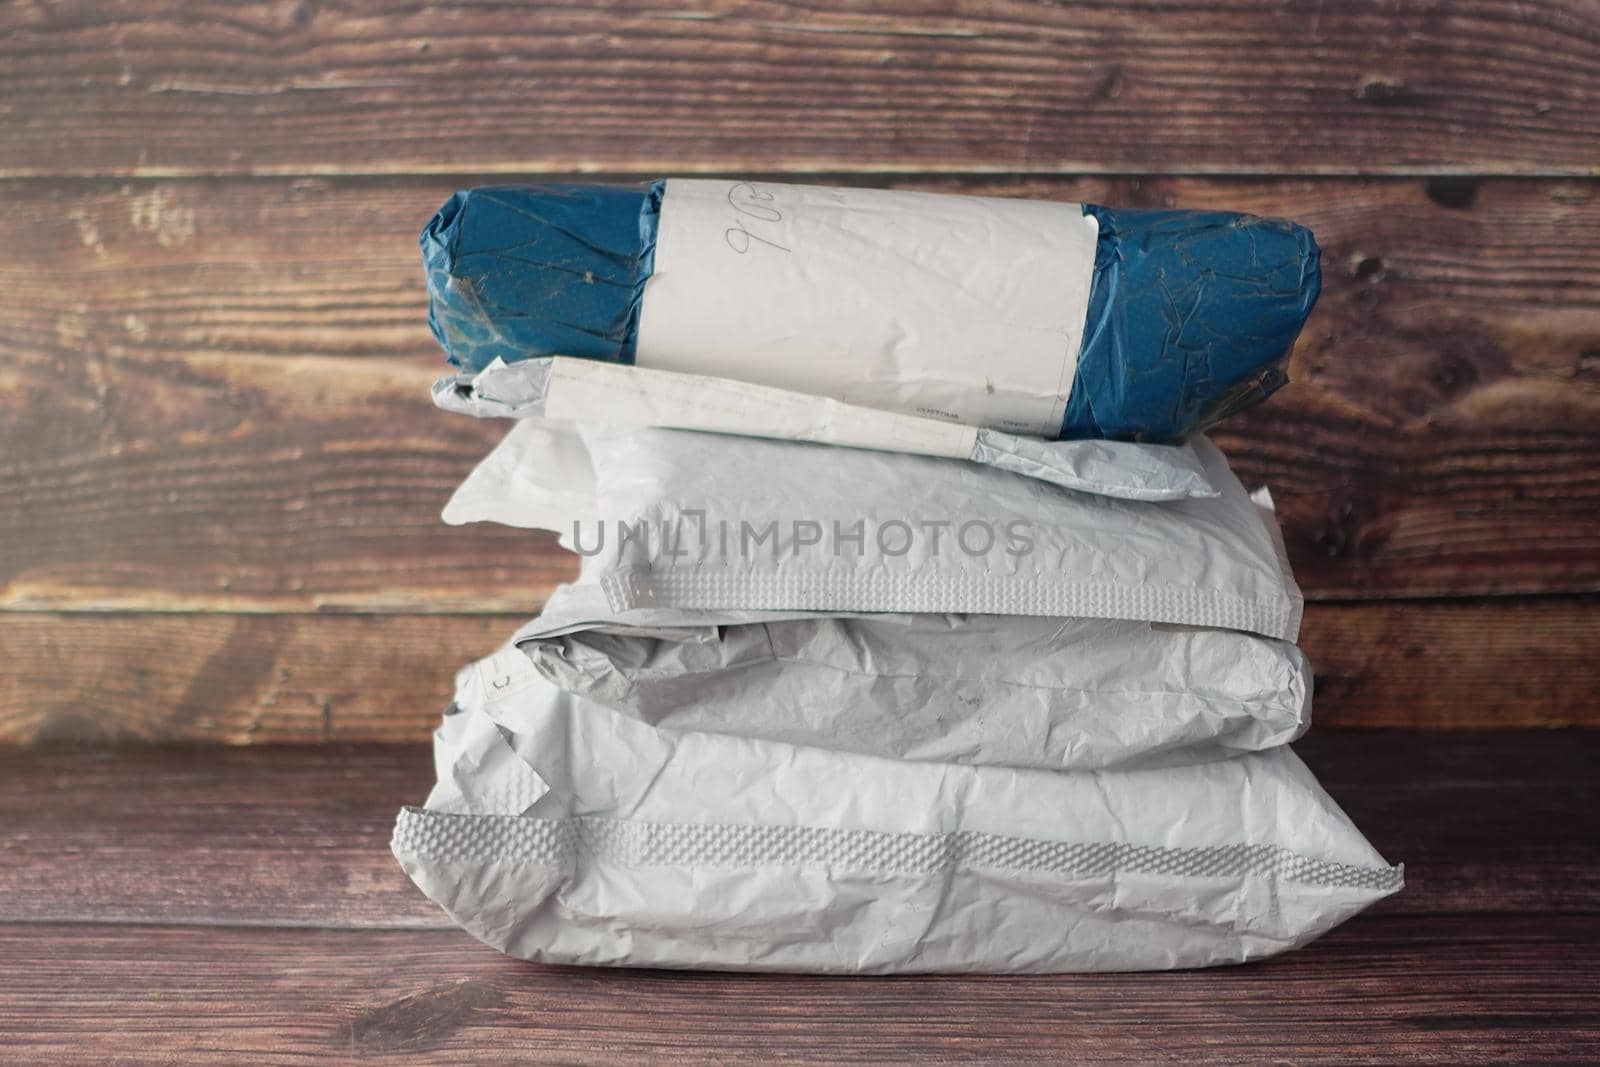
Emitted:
<point x="220" y="476"/>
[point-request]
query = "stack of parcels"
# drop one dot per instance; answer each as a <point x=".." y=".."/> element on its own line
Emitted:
<point x="866" y="669"/>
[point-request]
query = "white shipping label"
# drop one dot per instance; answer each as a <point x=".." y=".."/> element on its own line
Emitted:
<point x="968" y="309"/>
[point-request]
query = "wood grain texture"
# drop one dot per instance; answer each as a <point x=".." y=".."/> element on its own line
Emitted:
<point x="1482" y="86"/>
<point x="94" y="679"/>
<point x="1491" y="662"/>
<point x="212" y="411"/>
<point x="90" y="678"/>
<point x="1486" y="823"/>
<point x="250" y="484"/>
<point x="295" y="836"/>
<point x="215" y="396"/>
<point x="1478" y="989"/>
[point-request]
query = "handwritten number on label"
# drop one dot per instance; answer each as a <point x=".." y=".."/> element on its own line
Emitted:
<point x="739" y="239"/>
<point x="755" y="205"/>
<point x="748" y="200"/>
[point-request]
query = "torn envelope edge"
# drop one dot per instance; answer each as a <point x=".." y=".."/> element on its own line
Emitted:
<point x="581" y="390"/>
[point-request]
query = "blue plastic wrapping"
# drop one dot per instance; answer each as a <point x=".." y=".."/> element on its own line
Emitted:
<point x="540" y="270"/>
<point x="1191" y="314"/>
<point x="1190" y="317"/>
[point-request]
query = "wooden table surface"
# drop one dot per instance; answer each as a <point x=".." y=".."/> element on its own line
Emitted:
<point x="241" y="905"/>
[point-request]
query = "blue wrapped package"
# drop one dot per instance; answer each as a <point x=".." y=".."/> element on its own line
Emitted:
<point x="1055" y="320"/>
<point x="540" y="270"/>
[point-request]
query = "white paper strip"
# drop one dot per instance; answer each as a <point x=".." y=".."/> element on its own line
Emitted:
<point x="968" y="309"/>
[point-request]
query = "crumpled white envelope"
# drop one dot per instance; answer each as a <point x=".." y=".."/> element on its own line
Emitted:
<point x="593" y="837"/>
<point x="743" y="524"/>
<point x="998" y="690"/>
<point x="581" y="390"/>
